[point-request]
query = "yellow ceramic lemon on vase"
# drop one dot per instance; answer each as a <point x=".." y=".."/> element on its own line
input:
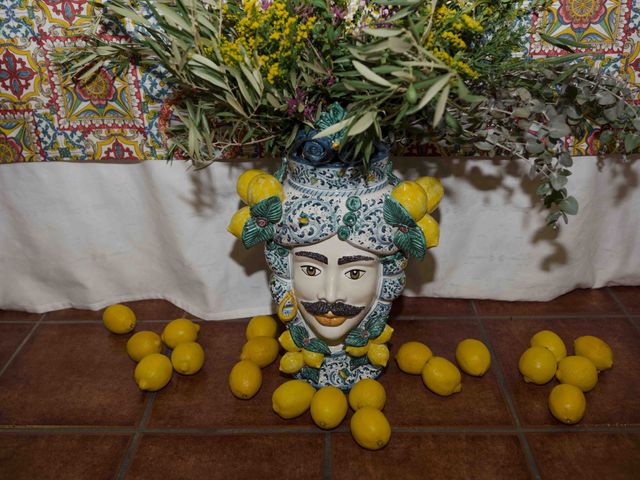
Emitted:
<point x="433" y="187"/>
<point x="412" y="197"/>
<point x="238" y="221"/>
<point x="242" y="184"/>
<point x="262" y="187"/>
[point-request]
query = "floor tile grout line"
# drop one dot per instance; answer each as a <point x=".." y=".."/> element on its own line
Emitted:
<point x="16" y="352"/>
<point x="635" y="429"/>
<point x="137" y="436"/>
<point x="506" y="393"/>
<point x="327" y="465"/>
<point x="622" y="307"/>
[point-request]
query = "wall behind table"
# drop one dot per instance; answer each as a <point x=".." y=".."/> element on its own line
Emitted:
<point x="89" y="235"/>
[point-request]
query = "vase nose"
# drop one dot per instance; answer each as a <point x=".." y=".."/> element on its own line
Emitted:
<point x="329" y="291"/>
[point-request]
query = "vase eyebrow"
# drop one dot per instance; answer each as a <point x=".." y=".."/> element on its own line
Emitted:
<point x="355" y="258"/>
<point x="313" y="255"/>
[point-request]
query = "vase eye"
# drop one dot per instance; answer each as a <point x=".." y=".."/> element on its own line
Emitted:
<point x="310" y="270"/>
<point x="355" y="274"/>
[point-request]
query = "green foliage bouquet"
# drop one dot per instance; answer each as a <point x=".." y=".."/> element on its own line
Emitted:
<point x="354" y="73"/>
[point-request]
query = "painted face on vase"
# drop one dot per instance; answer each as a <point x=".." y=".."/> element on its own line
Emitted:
<point x="335" y="285"/>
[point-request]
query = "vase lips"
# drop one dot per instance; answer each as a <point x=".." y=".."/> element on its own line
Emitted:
<point x="329" y="320"/>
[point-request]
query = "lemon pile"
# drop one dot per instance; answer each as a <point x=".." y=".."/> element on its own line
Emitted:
<point x="420" y="198"/>
<point x="154" y="370"/>
<point x="439" y="374"/>
<point x="547" y="358"/>
<point x="259" y="351"/>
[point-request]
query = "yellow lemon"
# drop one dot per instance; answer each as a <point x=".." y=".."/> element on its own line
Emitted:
<point x="291" y="362"/>
<point x="551" y="341"/>
<point x="537" y="365"/>
<point x="430" y="230"/>
<point x="153" y="372"/>
<point x="357" y="351"/>
<point x="119" y="318"/>
<point x="578" y="371"/>
<point x="441" y="376"/>
<point x="596" y="350"/>
<point x="412" y="357"/>
<point x="370" y="428"/>
<point x="412" y="197"/>
<point x="178" y="331"/>
<point x="385" y="336"/>
<point x="286" y="341"/>
<point x="262" y="326"/>
<point x="367" y="393"/>
<point x="245" y="379"/>
<point x="239" y="219"/>
<point x="434" y="189"/>
<point x="142" y="344"/>
<point x="313" y="359"/>
<point x="242" y="185"/>
<point x="262" y="187"/>
<point x="378" y="355"/>
<point x="292" y="398"/>
<point x="187" y="358"/>
<point x="328" y="407"/>
<point x="473" y="357"/>
<point x="260" y="350"/>
<point x="567" y="403"/>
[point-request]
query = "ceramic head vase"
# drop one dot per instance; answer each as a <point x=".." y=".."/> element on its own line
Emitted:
<point x="337" y="247"/>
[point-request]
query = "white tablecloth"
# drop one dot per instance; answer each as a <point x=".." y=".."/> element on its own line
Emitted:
<point x="89" y="235"/>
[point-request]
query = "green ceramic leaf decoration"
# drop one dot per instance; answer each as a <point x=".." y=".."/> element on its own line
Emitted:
<point x="318" y="346"/>
<point x="299" y="335"/>
<point x="396" y="214"/>
<point x="269" y="208"/>
<point x="411" y="242"/>
<point x="357" y="338"/>
<point x="375" y="326"/>
<point x="309" y="373"/>
<point x="252" y="234"/>
<point x="358" y="361"/>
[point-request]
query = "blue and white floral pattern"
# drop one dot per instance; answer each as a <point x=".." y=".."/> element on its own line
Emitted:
<point x="306" y="221"/>
<point x="392" y="287"/>
<point x="337" y="370"/>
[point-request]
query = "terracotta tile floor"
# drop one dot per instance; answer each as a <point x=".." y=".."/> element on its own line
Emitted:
<point x="69" y="408"/>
